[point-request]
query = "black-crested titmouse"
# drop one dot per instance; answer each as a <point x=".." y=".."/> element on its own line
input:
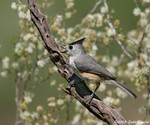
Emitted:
<point x="86" y="68"/>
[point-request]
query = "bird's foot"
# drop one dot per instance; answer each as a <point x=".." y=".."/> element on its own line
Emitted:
<point x="89" y="99"/>
<point x="74" y="79"/>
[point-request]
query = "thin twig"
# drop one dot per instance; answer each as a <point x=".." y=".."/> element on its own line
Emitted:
<point x="114" y="34"/>
<point x="140" y="63"/>
<point x="68" y="110"/>
<point x="90" y="12"/>
<point x="17" y="96"/>
<point x="143" y="36"/>
<point x="41" y="81"/>
<point x="95" y="6"/>
<point x="123" y="48"/>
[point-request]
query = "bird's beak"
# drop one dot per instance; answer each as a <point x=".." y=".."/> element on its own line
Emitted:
<point x="64" y="49"/>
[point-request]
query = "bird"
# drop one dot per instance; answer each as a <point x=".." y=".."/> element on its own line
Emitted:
<point x="87" y="69"/>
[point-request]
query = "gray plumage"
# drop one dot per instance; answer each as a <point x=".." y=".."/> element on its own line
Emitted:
<point x="82" y="62"/>
<point x="91" y="66"/>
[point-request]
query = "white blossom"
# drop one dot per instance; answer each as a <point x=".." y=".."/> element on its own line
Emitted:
<point x="109" y="100"/>
<point x="34" y="115"/>
<point x="147" y="30"/>
<point x="102" y="88"/>
<point x="100" y="123"/>
<point x="52" y="102"/>
<point x="40" y="63"/>
<point x="99" y="19"/>
<point x="116" y="102"/>
<point x="40" y="47"/>
<point x="53" y="83"/>
<point x="55" y="68"/>
<point x="22" y="15"/>
<point x="15" y="65"/>
<point x="143" y="21"/>
<point x="105" y="59"/>
<point x="136" y="11"/>
<point x="28" y="16"/>
<point x="45" y="53"/>
<point x="5" y="62"/>
<point x="39" y="109"/>
<point x="78" y="104"/>
<point x="112" y="69"/>
<point x="27" y="37"/>
<point x="111" y="32"/>
<point x="68" y="15"/>
<point x="60" y="101"/>
<point x="27" y="99"/>
<point x="14" y="5"/>
<point x="3" y="74"/>
<point x="24" y="115"/>
<point x="21" y="7"/>
<point x="19" y="48"/>
<point x="69" y="4"/>
<point x="94" y="47"/>
<point x="145" y="96"/>
<point x="147" y="11"/>
<point x="76" y="119"/>
<point x="90" y="17"/>
<point x="103" y="9"/>
<point x="29" y="49"/>
<point x="121" y="93"/>
<point x="69" y="30"/>
<point x="90" y="120"/>
<point x="140" y="122"/>
<point x="115" y="61"/>
<point x="59" y="18"/>
<point x="132" y="65"/>
<point x="146" y="1"/>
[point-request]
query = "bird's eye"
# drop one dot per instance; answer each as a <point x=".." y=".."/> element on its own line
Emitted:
<point x="70" y="47"/>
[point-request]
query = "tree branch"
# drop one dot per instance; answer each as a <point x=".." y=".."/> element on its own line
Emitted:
<point x="79" y="90"/>
<point x="142" y="63"/>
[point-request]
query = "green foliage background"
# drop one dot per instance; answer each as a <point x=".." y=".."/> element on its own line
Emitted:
<point x="9" y="31"/>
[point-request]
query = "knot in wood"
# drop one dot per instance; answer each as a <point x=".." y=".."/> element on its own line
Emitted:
<point x="55" y="57"/>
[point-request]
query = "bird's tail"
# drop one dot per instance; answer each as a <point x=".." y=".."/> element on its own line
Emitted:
<point x="124" y="88"/>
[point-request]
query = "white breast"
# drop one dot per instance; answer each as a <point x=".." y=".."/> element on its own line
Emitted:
<point x="71" y="62"/>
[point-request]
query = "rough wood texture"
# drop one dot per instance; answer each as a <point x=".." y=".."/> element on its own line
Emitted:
<point x="79" y="91"/>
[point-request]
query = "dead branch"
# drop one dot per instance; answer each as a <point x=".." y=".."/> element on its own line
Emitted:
<point x="79" y="90"/>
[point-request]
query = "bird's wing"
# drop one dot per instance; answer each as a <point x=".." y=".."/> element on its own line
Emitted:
<point x="89" y="65"/>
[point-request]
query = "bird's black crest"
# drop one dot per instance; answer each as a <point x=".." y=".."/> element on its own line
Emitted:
<point x="78" y="41"/>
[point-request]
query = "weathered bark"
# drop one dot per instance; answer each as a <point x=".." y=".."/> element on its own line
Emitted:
<point x="79" y="90"/>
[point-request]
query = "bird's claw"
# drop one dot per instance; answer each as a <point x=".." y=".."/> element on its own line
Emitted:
<point x="89" y="99"/>
<point x="73" y="79"/>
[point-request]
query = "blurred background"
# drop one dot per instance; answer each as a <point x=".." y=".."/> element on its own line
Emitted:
<point x="9" y="30"/>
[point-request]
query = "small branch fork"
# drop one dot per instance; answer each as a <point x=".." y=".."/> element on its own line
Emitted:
<point x="115" y="35"/>
<point x="79" y="90"/>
